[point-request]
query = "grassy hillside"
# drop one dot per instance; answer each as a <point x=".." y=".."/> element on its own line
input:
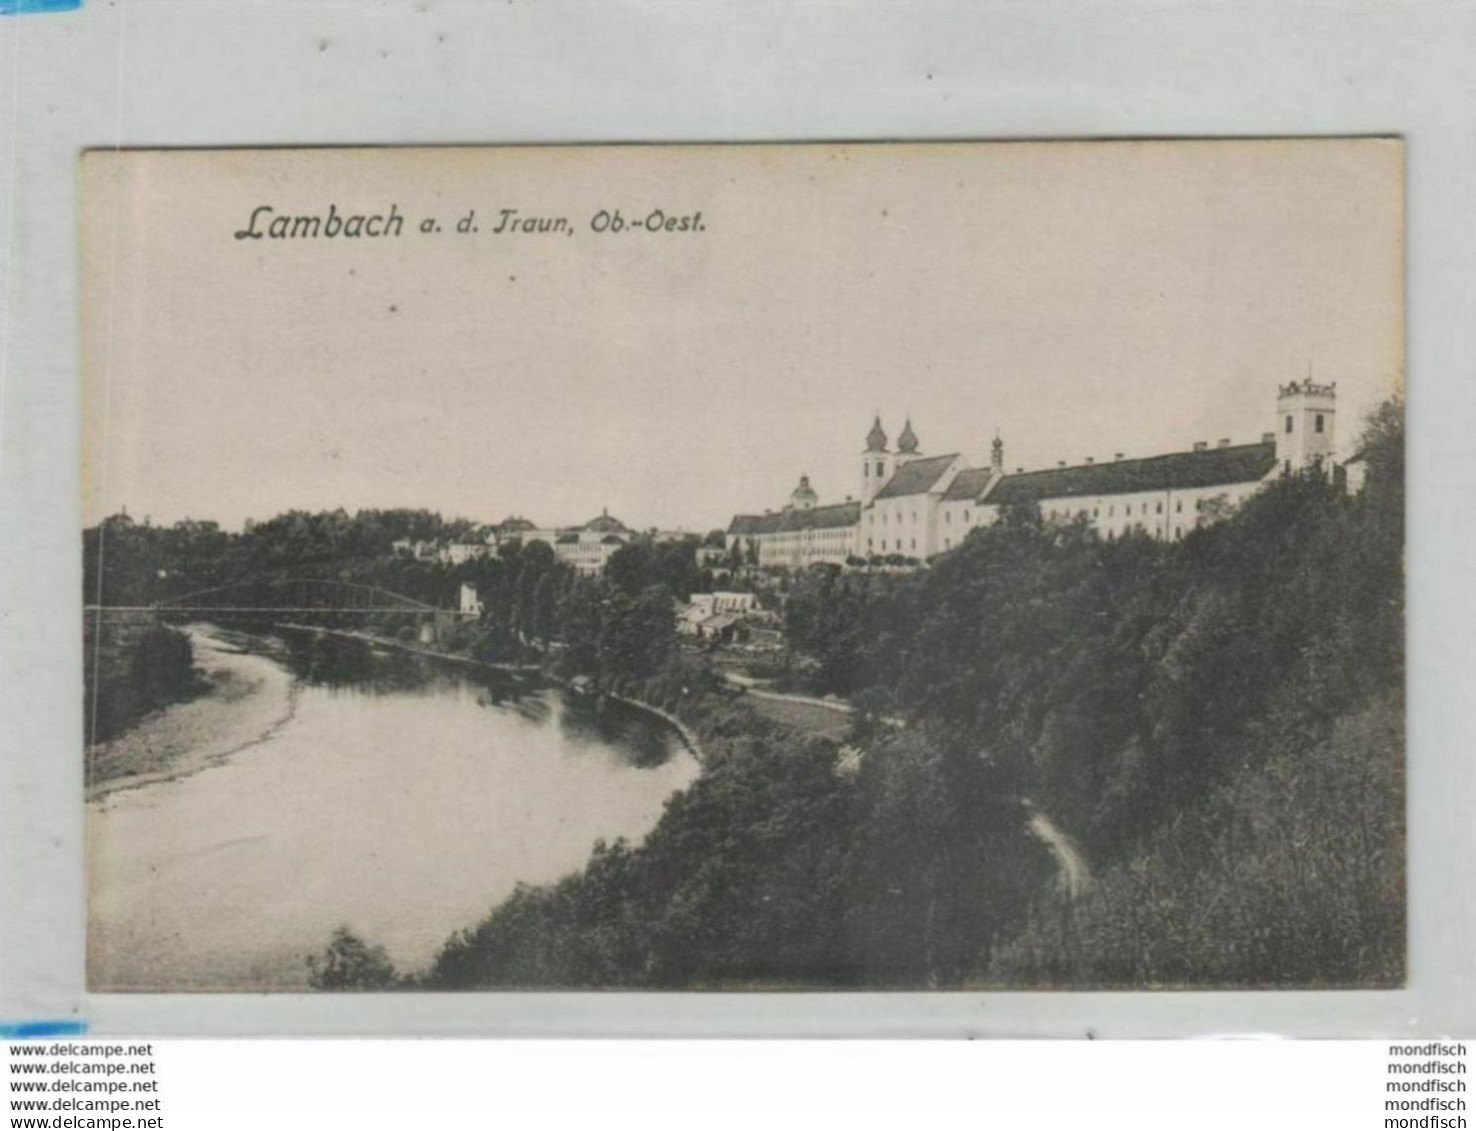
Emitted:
<point x="1289" y="873"/>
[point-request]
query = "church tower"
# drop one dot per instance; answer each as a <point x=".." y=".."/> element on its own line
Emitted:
<point x="1305" y="415"/>
<point x="996" y="454"/>
<point x="876" y="462"/>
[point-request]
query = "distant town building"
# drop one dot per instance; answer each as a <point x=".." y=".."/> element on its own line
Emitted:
<point x="914" y="506"/>
<point x="456" y="553"/>
<point x="718" y="616"/>
<point x="471" y="602"/>
<point x="589" y="547"/>
<point x="585" y="548"/>
<point x="1355" y="472"/>
<point x="513" y="527"/>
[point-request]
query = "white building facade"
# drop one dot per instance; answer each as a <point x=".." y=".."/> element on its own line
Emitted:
<point x="587" y="548"/>
<point x="914" y="506"/>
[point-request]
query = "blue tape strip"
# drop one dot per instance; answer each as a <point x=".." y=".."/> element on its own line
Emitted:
<point x="24" y="7"/>
<point x="20" y="1030"/>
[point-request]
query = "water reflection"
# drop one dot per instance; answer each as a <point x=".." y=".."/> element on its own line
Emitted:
<point x="352" y="664"/>
<point x="602" y="721"/>
<point x="322" y="659"/>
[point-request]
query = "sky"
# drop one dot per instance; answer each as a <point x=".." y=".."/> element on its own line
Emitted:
<point x="1082" y="299"/>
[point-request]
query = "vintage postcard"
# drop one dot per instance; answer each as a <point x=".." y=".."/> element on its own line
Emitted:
<point x="873" y="566"/>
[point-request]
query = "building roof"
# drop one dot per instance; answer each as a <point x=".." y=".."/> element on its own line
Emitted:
<point x="917" y="477"/>
<point x="1214" y="467"/>
<point x="755" y="523"/>
<point x="815" y="518"/>
<point x="876" y="439"/>
<point x="967" y="484"/>
<point x="823" y="518"/>
<point x="567" y="539"/>
<point x="604" y="523"/>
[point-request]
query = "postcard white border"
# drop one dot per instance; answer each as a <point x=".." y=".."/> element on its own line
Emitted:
<point x="214" y="73"/>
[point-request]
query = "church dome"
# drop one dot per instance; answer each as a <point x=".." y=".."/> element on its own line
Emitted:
<point x="804" y="496"/>
<point x="907" y="442"/>
<point x="876" y="439"/>
<point x="605" y="524"/>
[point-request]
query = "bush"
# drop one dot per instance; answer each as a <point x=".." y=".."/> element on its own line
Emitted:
<point x="131" y="676"/>
<point x="349" y="963"/>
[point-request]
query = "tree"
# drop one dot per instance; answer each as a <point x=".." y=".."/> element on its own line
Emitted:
<point x="639" y="635"/>
<point x="349" y="963"/>
<point x="581" y="619"/>
<point x="632" y="567"/>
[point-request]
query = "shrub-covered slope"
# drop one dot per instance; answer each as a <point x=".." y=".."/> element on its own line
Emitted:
<point x="1216" y="723"/>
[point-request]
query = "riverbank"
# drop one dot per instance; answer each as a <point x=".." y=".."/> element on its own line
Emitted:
<point x="249" y="698"/>
<point x="684" y="732"/>
<point x="416" y="649"/>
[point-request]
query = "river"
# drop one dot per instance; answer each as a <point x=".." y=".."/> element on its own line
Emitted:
<point x="398" y="796"/>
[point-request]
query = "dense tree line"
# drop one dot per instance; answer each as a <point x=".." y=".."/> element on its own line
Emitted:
<point x="133" y="673"/>
<point x="126" y="562"/>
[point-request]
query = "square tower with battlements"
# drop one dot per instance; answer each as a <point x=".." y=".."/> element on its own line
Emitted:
<point x="1305" y="416"/>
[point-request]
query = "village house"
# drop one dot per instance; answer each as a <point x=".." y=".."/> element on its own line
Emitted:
<point x="716" y="616"/>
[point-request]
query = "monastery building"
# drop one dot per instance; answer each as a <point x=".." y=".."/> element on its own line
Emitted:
<point x="914" y="506"/>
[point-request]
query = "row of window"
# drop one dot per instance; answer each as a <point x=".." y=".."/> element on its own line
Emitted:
<point x="947" y="517"/>
<point x="899" y="547"/>
<point x="871" y="518"/>
<point x="1157" y="531"/>
<point x="1318" y="423"/>
<point x="803" y="537"/>
<point x="1127" y="510"/>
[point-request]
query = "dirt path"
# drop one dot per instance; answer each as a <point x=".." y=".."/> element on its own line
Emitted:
<point x="1074" y="877"/>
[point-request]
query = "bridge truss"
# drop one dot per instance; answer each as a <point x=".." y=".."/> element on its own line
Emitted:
<point x="277" y="595"/>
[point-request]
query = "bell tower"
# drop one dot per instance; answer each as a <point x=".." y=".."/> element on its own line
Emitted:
<point x="1305" y="418"/>
<point x="876" y="463"/>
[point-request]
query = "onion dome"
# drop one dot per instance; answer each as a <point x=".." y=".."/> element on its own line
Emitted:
<point x="907" y="442"/>
<point x="876" y="439"/>
<point x="804" y="496"/>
